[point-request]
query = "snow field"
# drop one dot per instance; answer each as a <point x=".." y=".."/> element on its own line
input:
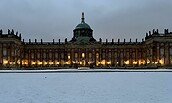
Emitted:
<point x="103" y="87"/>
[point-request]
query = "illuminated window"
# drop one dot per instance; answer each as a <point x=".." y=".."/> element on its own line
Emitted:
<point x="97" y="55"/>
<point x="68" y="55"/>
<point x="83" y="55"/>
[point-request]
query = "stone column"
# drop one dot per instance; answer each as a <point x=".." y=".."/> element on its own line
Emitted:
<point x="167" y="57"/>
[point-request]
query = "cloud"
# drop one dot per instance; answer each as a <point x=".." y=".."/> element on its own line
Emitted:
<point x="52" y="19"/>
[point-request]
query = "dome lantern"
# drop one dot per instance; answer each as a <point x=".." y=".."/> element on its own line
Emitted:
<point x="83" y="25"/>
<point x="82" y="19"/>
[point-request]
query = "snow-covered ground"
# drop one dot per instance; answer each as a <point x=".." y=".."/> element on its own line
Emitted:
<point x="85" y="70"/>
<point x="84" y="87"/>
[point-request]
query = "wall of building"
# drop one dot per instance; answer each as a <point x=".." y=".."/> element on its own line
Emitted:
<point x="11" y="49"/>
<point x="155" y="50"/>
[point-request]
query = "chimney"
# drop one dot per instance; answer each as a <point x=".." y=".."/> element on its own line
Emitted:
<point x="1" y="32"/>
<point x="29" y="41"/>
<point x="12" y="32"/>
<point x="20" y="35"/>
<point x="9" y="31"/>
<point x="100" y="40"/>
<point x="153" y="31"/>
<point x="53" y="41"/>
<point x="157" y="31"/>
<point x="16" y="33"/>
<point x="65" y="40"/>
<point x="59" y="41"/>
<point x="149" y="33"/>
<point x="118" y="41"/>
<point x="165" y="31"/>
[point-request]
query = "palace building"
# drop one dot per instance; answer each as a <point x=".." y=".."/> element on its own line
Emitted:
<point x="83" y="50"/>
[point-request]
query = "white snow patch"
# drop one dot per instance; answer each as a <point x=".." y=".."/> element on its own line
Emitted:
<point x="103" y="87"/>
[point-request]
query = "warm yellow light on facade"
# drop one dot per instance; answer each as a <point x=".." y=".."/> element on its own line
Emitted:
<point x="148" y="61"/>
<point x="12" y="62"/>
<point x="109" y="62"/>
<point x="24" y="62"/>
<point x="97" y="63"/>
<point x="134" y="62"/>
<point x="83" y="55"/>
<point x="45" y="63"/>
<point x="141" y="62"/>
<point x="5" y="61"/>
<point x="103" y="62"/>
<point x="97" y="55"/>
<point x="161" y="61"/>
<point x="156" y="62"/>
<point x="51" y="63"/>
<point x="80" y="62"/>
<point x="57" y="63"/>
<point x="39" y="63"/>
<point x="18" y="61"/>
<point x="33" y="63"/>
<point x="67" y="62"/>
<point x="127" y="62"/>
<point x="68" y="56"/>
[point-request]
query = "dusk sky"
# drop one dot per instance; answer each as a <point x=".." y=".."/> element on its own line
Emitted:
<point x="56" y="19"/>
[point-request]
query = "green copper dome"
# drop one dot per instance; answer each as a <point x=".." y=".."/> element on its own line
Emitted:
<point x="83" y="25"/>
<point x="83" y="33"/>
